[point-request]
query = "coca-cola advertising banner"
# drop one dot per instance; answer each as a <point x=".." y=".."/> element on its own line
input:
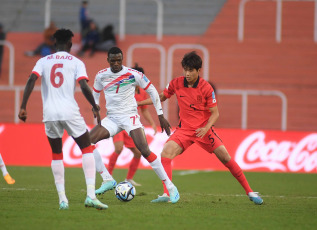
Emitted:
<point x="253" y="150"/>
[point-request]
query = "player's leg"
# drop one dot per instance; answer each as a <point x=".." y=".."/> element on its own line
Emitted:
<point x="89" y="168"/>
<point x="134" y="164"/>
<point x="96" y="134"/>
<point x="212" y="143"/>
<point x="140" y="142"/>
<point x="5" y="173"/>
<point x="170" y="150"/>
<point x="133" y="167"/>
<point x="77" y="129"/>
<point x="58" y="170"/>
<point x="223" y="155"/>
<point x="118" y="147"/>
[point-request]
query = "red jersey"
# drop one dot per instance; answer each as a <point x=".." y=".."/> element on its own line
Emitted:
<point x="194" y="102"/>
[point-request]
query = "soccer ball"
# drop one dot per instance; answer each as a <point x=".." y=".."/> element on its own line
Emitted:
<point x="125" y="191"/>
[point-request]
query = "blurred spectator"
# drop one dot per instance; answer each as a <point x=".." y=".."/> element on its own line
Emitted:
<point x="91" y="40"/>
<point x="107" y="40"/>
<point x="48" y="46"/>
<point x="84" y="20"/>
<point x="2" y="38"/>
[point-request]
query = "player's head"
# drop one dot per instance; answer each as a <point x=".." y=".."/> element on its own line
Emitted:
<point x="192" y="60"/>
<point x="138" y="68"/>
<point x="191" y="64"/>
<point x="115" y="57"/>
<point x="63" y="39"/>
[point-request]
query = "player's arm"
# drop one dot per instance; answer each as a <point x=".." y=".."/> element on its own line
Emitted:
<point x="201" y="132"/>
<point x="90" y="98"/>
<point x="149" y="101"/>
<point x="146" y="114"/>
<point x="27" y="92"/>
<point x="158" y="107"/>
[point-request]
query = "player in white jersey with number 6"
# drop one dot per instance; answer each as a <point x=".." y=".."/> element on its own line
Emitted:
<point x="59" y="73"/>
<point x="118" y="83"/>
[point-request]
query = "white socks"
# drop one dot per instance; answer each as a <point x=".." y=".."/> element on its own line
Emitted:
<point x="59" y="172"/>
<point x="90" y="173"/>
<point x="100" y="167"/>
<point x="160" y="172"/>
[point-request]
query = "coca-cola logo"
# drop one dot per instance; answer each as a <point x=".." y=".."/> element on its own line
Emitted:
<point x="73" y="155"/>
<point x="255" y="152"/>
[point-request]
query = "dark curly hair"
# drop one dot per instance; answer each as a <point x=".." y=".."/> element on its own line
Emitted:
<point x="63" y="36"/>
<point x="192" y="60"/>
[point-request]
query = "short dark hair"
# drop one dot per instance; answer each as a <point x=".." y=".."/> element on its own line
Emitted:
<point x="63" y="36"/>
<point x="115" y="50"/>
<point x="138" y="68"/>
<point x="192" y="60"/>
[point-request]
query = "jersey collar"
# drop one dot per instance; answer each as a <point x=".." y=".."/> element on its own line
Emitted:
<point x="195" y="84"/>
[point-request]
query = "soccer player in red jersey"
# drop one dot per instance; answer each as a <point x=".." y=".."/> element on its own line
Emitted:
<point x="123" y="137"/>
<point x="198" y="113"/>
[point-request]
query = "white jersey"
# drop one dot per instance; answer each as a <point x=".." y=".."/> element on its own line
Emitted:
<point x="59" y="73"/>
<point x="119" y="89"/>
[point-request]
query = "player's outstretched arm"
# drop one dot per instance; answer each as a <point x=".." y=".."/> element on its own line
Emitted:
<point x="149" y="101"/>
<point x="88" y="94"/>
<point x="27" y="92"/>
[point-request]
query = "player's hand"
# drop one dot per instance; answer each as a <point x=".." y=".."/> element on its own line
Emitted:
<point x="201" y="132"/>
<point x="23" y="115"/>
<point x="97" y="114"/>
<point x="165" y="125"/>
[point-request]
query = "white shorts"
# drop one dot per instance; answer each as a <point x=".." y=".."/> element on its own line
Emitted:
<point x="74" y="128"/>
<point x="115" y="124"/>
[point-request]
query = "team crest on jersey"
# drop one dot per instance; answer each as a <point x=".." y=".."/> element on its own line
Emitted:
<point x="145" y="78"/>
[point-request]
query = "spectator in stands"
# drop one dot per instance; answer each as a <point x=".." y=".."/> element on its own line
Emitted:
<point x="107" y="39"/>
<point x="48" y="46"/>
<point x="2" y="38"/>
<point x="84" y="20"/>
<point x="91" y="40"/>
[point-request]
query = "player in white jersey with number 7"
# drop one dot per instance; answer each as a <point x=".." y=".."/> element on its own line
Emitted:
<point x="118" y="83"/>
<point x="59" y="73"/>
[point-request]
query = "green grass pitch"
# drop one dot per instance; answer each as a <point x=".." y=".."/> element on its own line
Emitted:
<point x="209" y="200"/>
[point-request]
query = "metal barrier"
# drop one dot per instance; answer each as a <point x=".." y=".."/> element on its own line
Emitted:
<point x="245" y="93"/>
<point x="17" y="91"/>
<point x="150" y="46"/>
<point x="278" y="29"/>
<point x="47" y="14"/>
<point x="159" y="20"/>
<point x="11" y="60"/>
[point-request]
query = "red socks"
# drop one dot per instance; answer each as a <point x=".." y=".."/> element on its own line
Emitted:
<point x="112" y="162"/>
<point x="238" y="174"/>
<point x="167" y="165"/>
<point x="133" y="167"/>
<point x="152" y="157"/>
<point x="57" y="156"/>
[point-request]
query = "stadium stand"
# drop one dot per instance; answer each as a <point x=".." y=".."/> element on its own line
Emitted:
<point x="258" y="62"/>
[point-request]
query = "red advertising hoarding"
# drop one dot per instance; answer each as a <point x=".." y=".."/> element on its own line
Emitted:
<point x="253" y="150"/>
